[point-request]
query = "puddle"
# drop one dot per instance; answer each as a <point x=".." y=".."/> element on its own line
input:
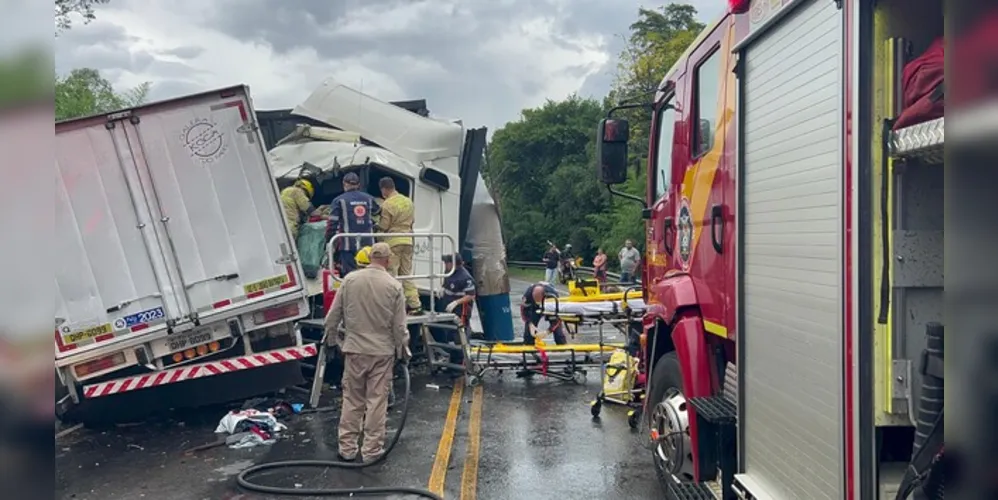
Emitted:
<point x="234" y="468"/>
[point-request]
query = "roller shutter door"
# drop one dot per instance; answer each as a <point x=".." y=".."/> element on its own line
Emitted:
<point x="792" y="200"/>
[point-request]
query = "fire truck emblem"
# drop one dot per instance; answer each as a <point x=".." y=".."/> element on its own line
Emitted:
<point x="684" y="234"/>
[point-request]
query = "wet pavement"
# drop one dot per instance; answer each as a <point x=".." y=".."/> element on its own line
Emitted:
<point x="536" y="440"/>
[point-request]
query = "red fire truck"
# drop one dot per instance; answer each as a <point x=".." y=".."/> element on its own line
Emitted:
<point x="793" y="270"/>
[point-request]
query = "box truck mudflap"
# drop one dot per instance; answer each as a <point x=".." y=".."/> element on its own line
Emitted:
<point x="176" y="260"/>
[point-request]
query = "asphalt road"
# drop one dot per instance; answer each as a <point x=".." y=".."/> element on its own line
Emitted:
<point x="509" y="438"/>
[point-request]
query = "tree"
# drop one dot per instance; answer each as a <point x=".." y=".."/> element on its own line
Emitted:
<point x="85" y="92"/>
<point x="26" y="76"/>
<point x="64" y="9"/>
<point x="542" y="166"/>
<point x="656" y="42"/>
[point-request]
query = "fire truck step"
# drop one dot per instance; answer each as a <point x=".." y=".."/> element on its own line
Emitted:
<point x="717" y="410"/>
<point x="690" y="491"/>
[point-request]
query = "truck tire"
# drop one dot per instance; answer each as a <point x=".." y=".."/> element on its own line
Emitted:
<point x="667" y="417"/>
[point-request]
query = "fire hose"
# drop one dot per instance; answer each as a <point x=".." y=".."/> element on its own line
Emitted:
<point x="245" y="483"/>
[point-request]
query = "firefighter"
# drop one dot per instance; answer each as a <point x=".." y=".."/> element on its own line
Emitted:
<point x="352" y="212"/>
<point x="529" y="313"/>
<point x="397" y="216"/>
<point x="363" y="257"/>
<point x="370" y="305"/>
<point x="297" y="203"/>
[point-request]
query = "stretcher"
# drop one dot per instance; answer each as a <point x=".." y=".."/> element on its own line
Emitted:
<point x="618" y="309"/>
<point x="567" y="362"/>
<point x="620" y="375"/>
<point x="595" y="308"/>
<point x="563" y="362"/>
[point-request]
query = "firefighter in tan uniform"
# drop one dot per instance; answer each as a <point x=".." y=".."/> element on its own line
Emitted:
<point x="296" y="200"/>
<point x="397" y="216"/>
<point x="370" y="306"/>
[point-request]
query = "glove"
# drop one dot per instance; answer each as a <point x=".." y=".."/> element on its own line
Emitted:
<point x="403" y="354"/>
<point x="440" y="293"/>
<point x="452" y="306"/>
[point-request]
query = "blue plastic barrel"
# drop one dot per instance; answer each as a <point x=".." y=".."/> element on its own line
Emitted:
<point x="497" y="317"/>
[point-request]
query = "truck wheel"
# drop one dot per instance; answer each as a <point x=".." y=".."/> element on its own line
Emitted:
<point x="668" y="419"/>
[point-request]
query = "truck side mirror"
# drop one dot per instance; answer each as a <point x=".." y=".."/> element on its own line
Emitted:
<point x="611" y="150"/>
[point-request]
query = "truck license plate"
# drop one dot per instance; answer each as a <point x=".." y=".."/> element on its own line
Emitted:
<point x="190" y="339"/>
<point x="88" y="333"/>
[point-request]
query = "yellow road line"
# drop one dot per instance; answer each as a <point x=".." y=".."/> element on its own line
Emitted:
<point x="469" y="478"/>
<point x="442" y="460"/>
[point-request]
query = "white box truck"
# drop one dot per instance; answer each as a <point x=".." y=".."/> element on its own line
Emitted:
<point x="176" y="266"/>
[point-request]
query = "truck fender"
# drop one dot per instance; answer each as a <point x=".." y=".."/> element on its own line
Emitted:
<point x="692" y="352"/>
<point x="675" y="293"/>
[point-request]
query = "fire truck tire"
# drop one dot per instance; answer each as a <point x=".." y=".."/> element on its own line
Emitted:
<point x="667" y="416"/>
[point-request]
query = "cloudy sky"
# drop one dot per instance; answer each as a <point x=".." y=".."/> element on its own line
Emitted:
<point x="479" y="60"/>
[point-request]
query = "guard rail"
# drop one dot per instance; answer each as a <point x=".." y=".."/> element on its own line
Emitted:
<point x="540" y="265"/>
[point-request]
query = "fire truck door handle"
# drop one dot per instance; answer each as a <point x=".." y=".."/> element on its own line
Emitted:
<point x="667" y="226"/>
<point x="717" y="222"/>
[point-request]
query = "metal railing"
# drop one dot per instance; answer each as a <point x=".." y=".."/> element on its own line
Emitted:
<point x="540" y="265"/>
<point x="432" y="276"/>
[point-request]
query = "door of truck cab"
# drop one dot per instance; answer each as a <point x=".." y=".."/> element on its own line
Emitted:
<point x="692" y="227"/>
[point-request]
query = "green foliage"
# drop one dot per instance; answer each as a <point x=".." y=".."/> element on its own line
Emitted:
<point x="85" y="92"/>
<point x="64" y="9"/>
<point x="26" y="77"/>
<point x="541" y="166"/>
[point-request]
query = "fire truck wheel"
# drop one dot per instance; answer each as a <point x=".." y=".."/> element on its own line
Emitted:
<point x="668" y="419"/>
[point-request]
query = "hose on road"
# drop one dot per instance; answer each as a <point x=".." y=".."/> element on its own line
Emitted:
<point x="244" y="483"/>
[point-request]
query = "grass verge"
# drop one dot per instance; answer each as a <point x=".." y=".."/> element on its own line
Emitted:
<point x="526" y="274"/>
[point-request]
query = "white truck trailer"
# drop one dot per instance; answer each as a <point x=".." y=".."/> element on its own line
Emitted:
<point x="176" y="270"/>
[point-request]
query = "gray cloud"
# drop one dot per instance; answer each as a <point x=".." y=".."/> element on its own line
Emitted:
<point x="165" y="89"/>
<point x="456" y="36"/>
<point x="186" y="52"/>
<point x="468" y="58"/>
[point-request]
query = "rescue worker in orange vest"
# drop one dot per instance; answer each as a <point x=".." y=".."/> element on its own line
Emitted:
<point x="296" y="200"/>
<point x="370" y="306"/>
<point x="397" y="216"/>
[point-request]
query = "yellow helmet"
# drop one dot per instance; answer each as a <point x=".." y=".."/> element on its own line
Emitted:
<point x="363" y="257"/>
<point x="307" y="186"/>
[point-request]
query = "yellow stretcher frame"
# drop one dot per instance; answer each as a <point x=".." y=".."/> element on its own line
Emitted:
<point x="501" y="348"/>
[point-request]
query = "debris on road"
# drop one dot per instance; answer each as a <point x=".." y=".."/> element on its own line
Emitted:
<point x="208" y="446"/>
<point x="250" y="427"/>
<point x="249" y="439"/>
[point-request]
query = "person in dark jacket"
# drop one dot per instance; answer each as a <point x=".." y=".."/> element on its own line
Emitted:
<point x="352" y="212"/>
<point x="533" y="297"/>
<point x="456" y="296"/>
<point x="551" y="260"/>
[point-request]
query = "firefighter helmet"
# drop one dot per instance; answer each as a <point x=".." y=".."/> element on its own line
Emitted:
<point x="363" y="257"/>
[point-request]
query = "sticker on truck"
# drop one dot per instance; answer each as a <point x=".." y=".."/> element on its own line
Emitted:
<point x="71" y="337"/>
<point x="264" y="284"/>
<point x="139" y="318"/>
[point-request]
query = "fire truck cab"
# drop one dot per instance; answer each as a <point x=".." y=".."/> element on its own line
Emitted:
<point x="793" y="267"/>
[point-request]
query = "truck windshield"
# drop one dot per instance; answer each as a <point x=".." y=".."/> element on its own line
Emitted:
<point x="666" y="125"/>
